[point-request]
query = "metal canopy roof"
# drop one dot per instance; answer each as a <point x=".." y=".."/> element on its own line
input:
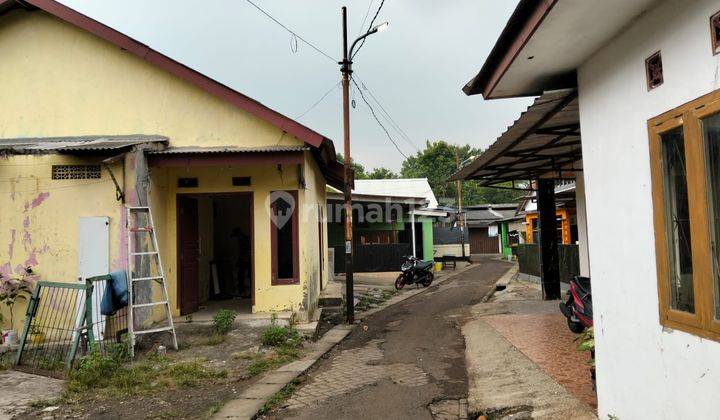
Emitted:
<point x="75" y="144"/>
<point x="544" y="141"/>
<point x="227" y="149"/>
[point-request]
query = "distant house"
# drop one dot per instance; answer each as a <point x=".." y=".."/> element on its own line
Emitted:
<point x="392" y="218"/>
<point x="628" y="106"/>
<point x="94" y="122"/>
<point x="494" y="228"/>
<point x="565" y="212"/>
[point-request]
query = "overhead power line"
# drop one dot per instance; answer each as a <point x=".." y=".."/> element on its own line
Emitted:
<point x="372" y="22"/>
<point x="311" y="107"/>
<point x="372" y="111"/>
<point x="295" y="34"/>
<point x="388" y="117"/>
<point x="367" y="14"/>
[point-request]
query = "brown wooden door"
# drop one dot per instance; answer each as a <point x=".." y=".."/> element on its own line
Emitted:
<point x="188" y="255"/>
<point x="480" y="243"/>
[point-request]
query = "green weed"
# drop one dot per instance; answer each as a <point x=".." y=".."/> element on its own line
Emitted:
<point x="215" y="339"/>
<point x="281" y="356"/>
<point x="278" y="336"/>
<point x="279" y="398"/>
<point x="223" y="320"/>
<point x="98" y="372"/>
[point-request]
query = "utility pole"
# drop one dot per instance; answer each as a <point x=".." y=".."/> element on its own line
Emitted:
<point x="461" y="218"/>
<point x="346" y="69"/>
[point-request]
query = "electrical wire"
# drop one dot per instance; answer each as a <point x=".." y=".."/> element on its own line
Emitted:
<point x="311" y="107"/>
<point x="387" y="116"/>
<point x="367" y="14"/>
<point x="293" y="32"/>
<point x="372" y="111"/>
<point x="369" y="27"/>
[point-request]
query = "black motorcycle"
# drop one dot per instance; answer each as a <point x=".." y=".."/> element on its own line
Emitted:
<point x="415" y="271"/>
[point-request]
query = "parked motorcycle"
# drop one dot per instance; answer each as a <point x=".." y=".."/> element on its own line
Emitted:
<point x="415" y="271"/>
<point x="578" y="308"/>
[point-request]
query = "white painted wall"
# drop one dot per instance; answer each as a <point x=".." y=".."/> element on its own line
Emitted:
<point x="581" y="213"/>
<point x="644" y="372"/>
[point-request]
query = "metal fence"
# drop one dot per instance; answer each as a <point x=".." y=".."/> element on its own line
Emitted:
<point x="373" y="258"/>
<point x="530" y="263"/>
<point x="62" y="322"/>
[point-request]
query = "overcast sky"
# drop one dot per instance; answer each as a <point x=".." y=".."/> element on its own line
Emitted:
<point x="416" y="68"/>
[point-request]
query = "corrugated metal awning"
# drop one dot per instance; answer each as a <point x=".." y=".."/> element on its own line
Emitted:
<point x="194" y="150"/>
<point x="40" y="145"/>
<point x="545" y="140"/>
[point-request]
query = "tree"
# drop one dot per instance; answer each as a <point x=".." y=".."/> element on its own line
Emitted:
<point x="382" y="173"/>
<point x="356" y="167"/>
<point x="438" y="162"/>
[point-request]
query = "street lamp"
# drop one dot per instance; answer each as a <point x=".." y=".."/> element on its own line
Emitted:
<point x="346" y="70"/>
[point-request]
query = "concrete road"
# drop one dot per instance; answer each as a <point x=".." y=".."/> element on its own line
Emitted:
<point x="408" y="363"/>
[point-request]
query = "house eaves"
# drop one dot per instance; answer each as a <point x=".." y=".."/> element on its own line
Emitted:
<point x="78" y="144"/>
<point x="545" y="41"/>
<point x="544" y="140"/>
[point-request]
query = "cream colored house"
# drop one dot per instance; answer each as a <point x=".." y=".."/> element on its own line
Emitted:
<point x="93" y="121"/>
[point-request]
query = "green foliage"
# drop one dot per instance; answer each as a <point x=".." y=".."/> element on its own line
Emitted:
<point x="223" y="320"/>
<point x="438" y="162"/>
<point x="287" y="343"/>
<point x="6" y="361"/>
<point x="279" y="398"/>
<point x="97" y="371"/>
<point x="366" y="301"/>
<point x="215" y="339"/>
<point x="356" y="167"/>
<point x="281" y="356"/>
<point x="278" y="336"/>
<point x="382" y="173"/>
<point x="586" y="341"/>
<point x="13" y="290"/>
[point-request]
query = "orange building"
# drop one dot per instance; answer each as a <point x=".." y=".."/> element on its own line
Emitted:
<point x="567" y="226"/>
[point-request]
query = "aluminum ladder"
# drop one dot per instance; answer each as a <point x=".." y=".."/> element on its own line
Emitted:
<point x="135" y="244"/>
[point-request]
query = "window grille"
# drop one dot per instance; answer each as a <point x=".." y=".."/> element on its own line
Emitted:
<point x="76" y="172"/>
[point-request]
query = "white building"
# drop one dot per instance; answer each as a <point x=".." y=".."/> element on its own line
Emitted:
<point x="650" y="132"/>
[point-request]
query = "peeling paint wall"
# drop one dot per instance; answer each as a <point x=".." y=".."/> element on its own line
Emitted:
<point x="39" y="224"/>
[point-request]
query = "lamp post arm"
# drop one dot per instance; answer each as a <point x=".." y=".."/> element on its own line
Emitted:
<point x="352" y="47"/>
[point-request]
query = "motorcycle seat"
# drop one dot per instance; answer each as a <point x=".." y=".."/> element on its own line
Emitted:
<point x="424" y="264"/>
<point x="584" y="283"/>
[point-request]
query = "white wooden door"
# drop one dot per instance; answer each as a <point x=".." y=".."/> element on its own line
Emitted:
<point x="94" y="260"/>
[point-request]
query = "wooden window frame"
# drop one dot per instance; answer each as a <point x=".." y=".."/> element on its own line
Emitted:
<point x="275" y="281"/>
<point x="702" y="323"/>
<point x="715" y="42"/>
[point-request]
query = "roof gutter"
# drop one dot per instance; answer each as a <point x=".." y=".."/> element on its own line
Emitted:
<point x="524" y="22"/>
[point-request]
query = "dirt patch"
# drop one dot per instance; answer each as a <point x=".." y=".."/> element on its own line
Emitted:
<point x="193" y="382"/>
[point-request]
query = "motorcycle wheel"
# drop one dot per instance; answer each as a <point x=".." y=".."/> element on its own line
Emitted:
<point x="428" y="281"/>
<point x="575" y="327"/>
<point x="399" y="282"/>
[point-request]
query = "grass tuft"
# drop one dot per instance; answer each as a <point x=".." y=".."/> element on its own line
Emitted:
<point x="280" y="397"/>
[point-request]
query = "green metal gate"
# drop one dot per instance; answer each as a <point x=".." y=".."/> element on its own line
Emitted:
<point x="54" y="322"/>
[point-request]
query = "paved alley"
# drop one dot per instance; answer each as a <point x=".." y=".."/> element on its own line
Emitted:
<point x="407" y="361"/>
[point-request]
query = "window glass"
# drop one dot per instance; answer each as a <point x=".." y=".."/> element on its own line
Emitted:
<point x="284" y="246"/>
<point x="711" y="135"/>
<point x="677" y="222"/>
